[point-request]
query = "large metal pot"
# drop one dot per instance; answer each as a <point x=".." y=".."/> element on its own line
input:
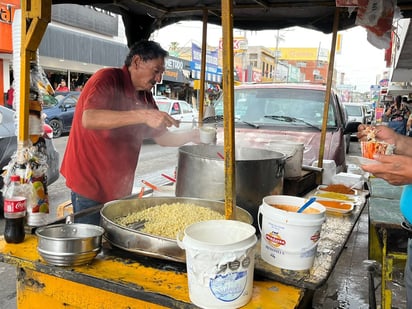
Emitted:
<point x="294" y="153"/>
<point x="151" y="245"/>
<point x="259" y="172"/>
<point x="69" y="244"/>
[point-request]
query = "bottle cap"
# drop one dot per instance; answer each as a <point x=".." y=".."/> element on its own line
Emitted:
<point x="15" y="178"/>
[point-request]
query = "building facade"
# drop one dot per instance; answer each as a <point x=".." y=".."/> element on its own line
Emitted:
<point x="79" y="41"/>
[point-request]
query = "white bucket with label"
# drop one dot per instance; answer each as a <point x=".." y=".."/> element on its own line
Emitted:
<point x="220" y="258"/>
<point x="289" y="239"/>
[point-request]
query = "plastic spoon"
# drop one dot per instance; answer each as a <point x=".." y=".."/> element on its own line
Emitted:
<point x="307" y="204"/>
<point x="150" y="185"/>
<point x="169" y="178"/>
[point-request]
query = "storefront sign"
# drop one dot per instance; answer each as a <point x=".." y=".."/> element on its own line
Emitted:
<point x="384" y="82"/>
<point x="176" y="70"/>
<point x="6" y="18"/>
<point x="213" y="72"/>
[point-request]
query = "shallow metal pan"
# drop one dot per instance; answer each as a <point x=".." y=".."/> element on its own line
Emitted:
<point x="146" y="244"/>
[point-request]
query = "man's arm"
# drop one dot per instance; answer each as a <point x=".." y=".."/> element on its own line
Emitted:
<point x="100" y="119"/>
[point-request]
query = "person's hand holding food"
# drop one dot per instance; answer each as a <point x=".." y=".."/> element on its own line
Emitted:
<point x="380" y="133"/>
<point x="395" y="169"/>
<point x="389" y="167"/>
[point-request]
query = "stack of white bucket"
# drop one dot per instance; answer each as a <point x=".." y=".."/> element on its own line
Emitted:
<point x="289" y="239"/>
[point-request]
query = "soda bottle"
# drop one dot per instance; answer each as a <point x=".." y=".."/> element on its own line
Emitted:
<point x="14" y="211"/>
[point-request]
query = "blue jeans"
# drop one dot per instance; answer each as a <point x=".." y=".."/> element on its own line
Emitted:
<point x="398" y="126"/>
<point x="81" y="203"/>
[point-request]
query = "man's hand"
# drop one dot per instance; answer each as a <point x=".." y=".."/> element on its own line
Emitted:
<point x="395" y="169"/>
<point x="160" y="120"/>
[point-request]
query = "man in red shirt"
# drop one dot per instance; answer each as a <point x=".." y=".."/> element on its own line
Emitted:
<point x="62" y="87"/>
<point x="115" y="113"/>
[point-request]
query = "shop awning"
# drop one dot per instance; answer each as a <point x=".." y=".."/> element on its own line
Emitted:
<point x="141" y="18"/>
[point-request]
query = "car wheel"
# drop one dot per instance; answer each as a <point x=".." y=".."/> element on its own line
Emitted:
<point x="57" y="127"/>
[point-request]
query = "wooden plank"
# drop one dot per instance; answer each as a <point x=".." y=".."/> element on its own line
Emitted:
<point x="385" y="212"/>
<point x="121" y="275"/>
<point x="380" y="188"/>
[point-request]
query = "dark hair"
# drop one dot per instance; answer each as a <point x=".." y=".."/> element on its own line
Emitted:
<point x="147" y="50"/>
<point x="398" y="101"/>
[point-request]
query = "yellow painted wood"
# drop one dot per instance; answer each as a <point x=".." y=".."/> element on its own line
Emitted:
<point x="203" y="68"/>
<point x="228" y="109"/>
<point x="39" y="291"/>
<point x="36" y="14"/>
<point x="375" y="252"/>
<point x="40" y="284"/>
<point x="327" y="96"/>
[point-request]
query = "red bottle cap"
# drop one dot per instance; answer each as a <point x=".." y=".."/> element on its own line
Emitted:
<point x="15" y="178"/>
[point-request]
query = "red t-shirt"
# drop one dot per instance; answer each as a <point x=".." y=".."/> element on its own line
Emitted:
<point x="100" y="164"/>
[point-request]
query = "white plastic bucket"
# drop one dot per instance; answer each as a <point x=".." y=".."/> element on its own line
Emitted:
<point x="220" y="260"/>
<point x="289" y="239"/>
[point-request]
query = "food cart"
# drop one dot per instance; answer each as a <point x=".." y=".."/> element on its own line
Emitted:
<point x="117" y="278"/>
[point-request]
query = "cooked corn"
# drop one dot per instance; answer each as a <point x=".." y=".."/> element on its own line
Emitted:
<point x="167" y="220"/>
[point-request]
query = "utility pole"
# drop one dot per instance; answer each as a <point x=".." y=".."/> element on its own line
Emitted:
<point x="276" y="55"/>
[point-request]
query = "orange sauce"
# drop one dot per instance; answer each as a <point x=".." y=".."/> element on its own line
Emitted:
<point x="291" y="208"/>
<point x="334" y="204"/>
<point x="339" y="188"/>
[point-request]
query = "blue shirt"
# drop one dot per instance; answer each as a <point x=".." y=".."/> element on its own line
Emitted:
<point x="406" y="203"/>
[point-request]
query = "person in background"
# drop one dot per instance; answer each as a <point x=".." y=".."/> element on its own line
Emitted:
<point x="406" y="103"/>
<point x="396" y="169"/>
<point x="409" y="126"/>
<point x="398" y="114"/>
<point x="62" y="87"/>
<point x="10" y="97"/>
<point x="115" y="112"/>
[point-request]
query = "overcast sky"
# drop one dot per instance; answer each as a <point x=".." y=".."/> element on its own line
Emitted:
<point x="361" y="62"/>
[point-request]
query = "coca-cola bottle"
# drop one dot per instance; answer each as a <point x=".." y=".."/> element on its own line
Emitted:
<point x="14" y="211"/>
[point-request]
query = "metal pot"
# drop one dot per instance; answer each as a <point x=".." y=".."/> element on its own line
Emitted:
<point x="69" y="244"/>
<point x="259" y="172"/>
<point x="294" y="153"/>
<point x="151" y="245"/>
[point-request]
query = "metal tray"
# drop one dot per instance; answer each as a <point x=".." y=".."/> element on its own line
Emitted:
<point x="147" y="244"/>
<point x="336" y="210"/>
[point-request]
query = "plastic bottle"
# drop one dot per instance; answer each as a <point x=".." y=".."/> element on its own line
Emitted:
<point x="14" y="211"/>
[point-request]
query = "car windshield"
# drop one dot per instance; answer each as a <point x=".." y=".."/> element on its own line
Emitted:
<point x="354" y="110"/>
<point x="49" y="101"/>
<point x="279" y="106"/>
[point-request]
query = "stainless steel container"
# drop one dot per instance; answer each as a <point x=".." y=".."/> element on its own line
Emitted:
<point x="259" y="172"/>
<point x="69" y="244"/>
<point x="146" y="244"/>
